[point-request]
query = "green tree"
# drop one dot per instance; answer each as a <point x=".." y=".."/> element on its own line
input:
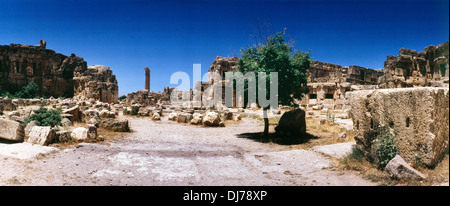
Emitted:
<point x="122" y="97"/>
<point x="274" y="54"/>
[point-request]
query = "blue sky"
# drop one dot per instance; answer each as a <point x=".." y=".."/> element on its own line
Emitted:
<point x="170" y="36"/>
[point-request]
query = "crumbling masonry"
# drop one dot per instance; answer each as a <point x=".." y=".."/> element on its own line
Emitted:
<point x="55" y="74"/>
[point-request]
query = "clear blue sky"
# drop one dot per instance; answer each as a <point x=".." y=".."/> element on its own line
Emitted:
<point x="170" y="36"/>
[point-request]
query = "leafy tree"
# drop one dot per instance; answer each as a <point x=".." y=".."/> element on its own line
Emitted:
<point x="122" y="97"/>
<point x="273" y="54"/>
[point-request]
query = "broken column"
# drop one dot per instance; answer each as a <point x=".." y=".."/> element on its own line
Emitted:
<point x="147" y="78"/>
<point x="417" y="118"/>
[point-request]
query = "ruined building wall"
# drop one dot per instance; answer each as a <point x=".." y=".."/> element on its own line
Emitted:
<point x="328" y="84"/>
<point x="416" y="117"/>
<point x="412" y="68"/>
<point x="54" y="73"/>
<point x="96" y="82"/>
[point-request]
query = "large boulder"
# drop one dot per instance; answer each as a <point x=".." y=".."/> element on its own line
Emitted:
<point x="11" y="130"/>
<point x="417" y="116"/>
<point x="197" y="118"/>
<point x="228" y="115"/>
<point x="173" y="116"/>
<point x="88" y="114"/>
<point x="83" y="134"/>
<point x="292" y="124"/>
<point x="65" y="122"/>
<point x="62" y="137"/>
<point x="156" y="116"/>
<point x="74" y="111"/>
<point x="28" y="128"/>
<point x="41" y="135"/>
<point x="399" y="169"/>
<point x="80" y="134"/>
<point x="144" y="111"/>
<point x="95" y="121"/>
<point x="211" y="119"/>
<point x="92" y="132"/>
<point x="115" y="125"/>
<point x="107" y="114"/>
<point x="184" y="117"/>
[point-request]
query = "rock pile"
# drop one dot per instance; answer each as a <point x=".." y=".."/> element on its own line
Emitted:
<point x="94" y="113"/>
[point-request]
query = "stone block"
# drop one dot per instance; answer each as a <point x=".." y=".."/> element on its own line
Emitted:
<point x="399" y="169"/>
<point x="41" y="135"/>
<point x="418" y="117"/>
<point x="11" y="130"/>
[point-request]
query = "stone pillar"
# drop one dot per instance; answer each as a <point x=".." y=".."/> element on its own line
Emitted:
<point x="147" y="79"/>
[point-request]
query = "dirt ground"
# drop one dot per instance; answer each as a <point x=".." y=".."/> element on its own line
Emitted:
<point x="169" y="153"/>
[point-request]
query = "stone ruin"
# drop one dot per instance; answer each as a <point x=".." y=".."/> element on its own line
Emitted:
<point x="329" y="83"/>
<point x="149" y="98"/>
<point x="96" y="82"/>
<point x="415" y="109"/>
<point x="84" y="93"/>
<point x="92" y="112"/>
<point x="55" y="74"/>
<point x="411" y="68"/>
<point x="418" y="118"/>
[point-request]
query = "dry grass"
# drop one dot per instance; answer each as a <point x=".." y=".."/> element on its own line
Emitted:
<point x="319" y="134"/>
<point x="356" y="162"/>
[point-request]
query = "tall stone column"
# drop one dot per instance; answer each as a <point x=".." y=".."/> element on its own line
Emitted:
<point x="147" y="78"/>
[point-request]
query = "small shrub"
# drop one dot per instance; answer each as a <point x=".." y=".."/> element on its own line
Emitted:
<point x="386" y="149"/>
<point x="29" y="91"/>
<point x="331" y="117"/>
<point x="45" y="117"/>
<point x="134" y="111"/>
<point x="355" y="156"/>
<point x="122" y="97"/>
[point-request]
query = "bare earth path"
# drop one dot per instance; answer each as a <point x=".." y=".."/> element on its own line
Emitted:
<point x="169" y="153"/>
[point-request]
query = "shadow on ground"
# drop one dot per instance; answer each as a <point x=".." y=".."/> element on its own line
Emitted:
<point x="277" y="139"/>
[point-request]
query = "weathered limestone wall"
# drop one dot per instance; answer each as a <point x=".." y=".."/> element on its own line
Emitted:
<point x="328" y="84"/>
<point x="146" y="98"/>
<point x="55" y="74"/>
<point x="223" y="64"/>
<point x="411" y="68"/>
<point x="323" y="72"/>
<point x="96" y="82"/>
<point x="417" y="116"/>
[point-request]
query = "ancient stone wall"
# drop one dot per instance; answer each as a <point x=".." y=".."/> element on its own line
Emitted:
<point x="146" y="98"/>
<point x="54" y="73"/>
<point x="417" y="117"/>
<point x="332" y="73"/>
<point x="222" y="65"/>
<point x="328" y="84"/>
<point x="412" y="68"/>
<point x="96" y="82"/>
<point x="326" y="72"/>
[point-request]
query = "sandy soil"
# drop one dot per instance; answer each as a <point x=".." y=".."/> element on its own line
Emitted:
<point x="169" y="153"/>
